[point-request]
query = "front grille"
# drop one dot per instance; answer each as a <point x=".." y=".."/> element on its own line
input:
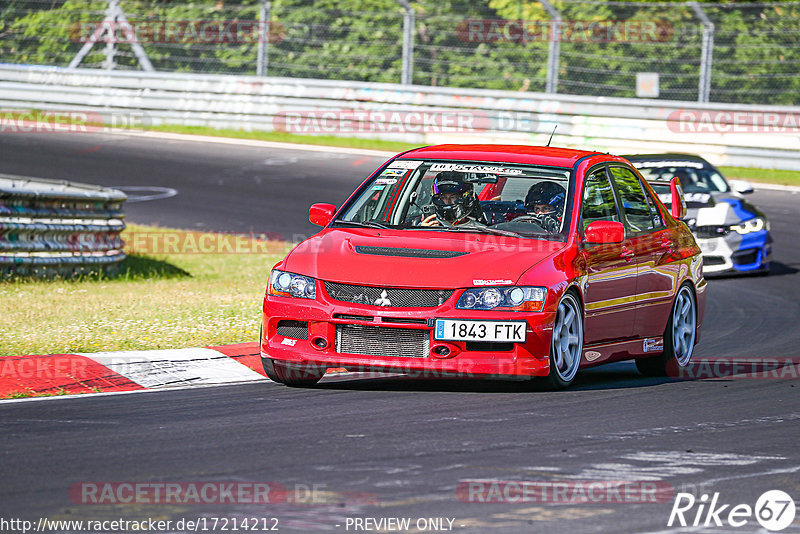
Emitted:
<point x="409" y="252"/>
<point x="745" y="257"/>
<point x="381" y="341"/>
<point x="713" y="260"/>
<point x="387" y="296"/>
<point x="351" y="317"/>
<point x="293" y="329"/>
<point x="403" y="320"/>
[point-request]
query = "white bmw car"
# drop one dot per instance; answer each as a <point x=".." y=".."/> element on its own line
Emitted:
<point x="732" y="233"/>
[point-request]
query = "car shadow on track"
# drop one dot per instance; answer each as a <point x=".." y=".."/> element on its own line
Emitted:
<point x="622" y="375"/>
<point x="776" y="269"/>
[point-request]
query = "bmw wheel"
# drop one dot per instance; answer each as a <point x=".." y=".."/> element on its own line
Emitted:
<point x="567" y="345"/>
<point x="679" y="338"/>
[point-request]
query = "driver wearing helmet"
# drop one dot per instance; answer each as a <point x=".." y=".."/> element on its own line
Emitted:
<point x="454" y="201"/>
<point x="545" y="205"/>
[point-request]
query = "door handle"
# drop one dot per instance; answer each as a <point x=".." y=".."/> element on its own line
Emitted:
<point x="667" y="244"/>
<point x="627" y="254"/>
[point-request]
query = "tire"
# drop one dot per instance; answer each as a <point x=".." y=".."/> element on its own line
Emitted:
<point x="290" y="374"/>
<point x="679" y="338"/>
<point x="566" y="347"/>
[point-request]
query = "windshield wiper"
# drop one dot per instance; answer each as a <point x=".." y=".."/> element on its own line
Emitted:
<point x="365" y="224"/>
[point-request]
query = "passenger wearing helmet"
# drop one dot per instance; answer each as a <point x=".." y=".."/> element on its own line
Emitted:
<point x="545" y="205"/>
<point x="454" y="200"/>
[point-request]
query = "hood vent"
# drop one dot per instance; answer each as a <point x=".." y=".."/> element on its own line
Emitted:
<point x="409" y="252"/>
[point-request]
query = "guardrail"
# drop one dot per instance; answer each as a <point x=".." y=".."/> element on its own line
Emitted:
<point x="50" y="228"/>
<point x="726" y="134"/>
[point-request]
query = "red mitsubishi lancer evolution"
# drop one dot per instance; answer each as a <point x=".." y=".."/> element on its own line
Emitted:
<point x="489" y="261"/>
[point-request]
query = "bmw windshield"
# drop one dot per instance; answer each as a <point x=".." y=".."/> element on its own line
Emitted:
<point x="464" y="196"/>
<point x="694" y="177"/>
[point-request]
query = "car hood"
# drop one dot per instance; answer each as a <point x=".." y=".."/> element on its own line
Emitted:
<point x="719" y="208"/>
<point x="420" y="259"/>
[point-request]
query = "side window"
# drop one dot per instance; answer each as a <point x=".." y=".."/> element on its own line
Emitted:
<point x="634" y="202"/>
<point x="655" y="214"/>
<point x="598" y="199"/>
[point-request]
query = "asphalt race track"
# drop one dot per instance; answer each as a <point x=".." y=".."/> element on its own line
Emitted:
<point x="393" y="447"/>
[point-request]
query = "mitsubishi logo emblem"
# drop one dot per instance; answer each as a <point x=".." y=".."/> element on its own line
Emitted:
<point x="383" y="300"/>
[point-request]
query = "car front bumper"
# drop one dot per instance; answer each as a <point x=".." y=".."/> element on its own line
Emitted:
<point x="362" y="338"/>
<point x="734" y="253"/>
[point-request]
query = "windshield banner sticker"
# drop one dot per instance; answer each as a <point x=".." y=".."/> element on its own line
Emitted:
<point x="665" y="163"/>
<point x="460" y="167"/>
<point x="408" y="164"/>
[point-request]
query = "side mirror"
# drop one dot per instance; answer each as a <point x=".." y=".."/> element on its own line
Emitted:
<point x="605" y="232"/>
<point x="741" y="186"/>
<point x="678" y="203"/>
<point x="321" y="214"/>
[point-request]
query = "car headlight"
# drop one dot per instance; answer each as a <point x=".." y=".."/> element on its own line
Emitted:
<point x="753" y="225"/>
<point x="283" y="284"/>
<point x="503" y="298"/>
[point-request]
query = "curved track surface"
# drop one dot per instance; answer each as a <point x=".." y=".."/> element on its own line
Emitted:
<point x="392" y="447"/>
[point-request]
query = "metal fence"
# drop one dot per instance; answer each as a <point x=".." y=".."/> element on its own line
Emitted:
<point x="731" y="52"/>
<point x="79" y="101"/>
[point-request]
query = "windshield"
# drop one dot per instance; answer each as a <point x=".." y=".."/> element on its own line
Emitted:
<point x="465" y="196"/>
<point x="694" y="179"/>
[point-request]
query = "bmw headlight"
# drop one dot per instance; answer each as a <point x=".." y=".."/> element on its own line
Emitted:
<point x="283" y="284"/>
<point x="503" y="298"/>
<point x="752" y="225"/>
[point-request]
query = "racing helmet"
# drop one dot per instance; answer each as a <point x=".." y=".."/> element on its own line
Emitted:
<point x="449" y="184"/>
<point x="545" y="192"/>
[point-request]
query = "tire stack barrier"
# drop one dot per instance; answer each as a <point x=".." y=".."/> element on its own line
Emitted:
<point x="54" y="228"/>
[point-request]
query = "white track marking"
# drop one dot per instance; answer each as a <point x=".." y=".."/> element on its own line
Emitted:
<point x="157" y="193"/>
<point x="160" y="368"/>
<point x="665" y="464"/>
<point x="256" y="143"/>
<point x="709" y="426"/>
<point x="263" y="380"/>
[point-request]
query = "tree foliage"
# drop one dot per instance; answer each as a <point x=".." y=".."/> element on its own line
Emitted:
<point x="756" y="46"/>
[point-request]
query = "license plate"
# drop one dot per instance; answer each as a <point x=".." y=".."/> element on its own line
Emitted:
<point x="474" y="330"/>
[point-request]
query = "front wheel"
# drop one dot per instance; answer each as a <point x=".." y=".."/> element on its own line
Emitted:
<point x="679" y="338"/>
<point x="292" y="375"/>
<point x="567" y="345"/>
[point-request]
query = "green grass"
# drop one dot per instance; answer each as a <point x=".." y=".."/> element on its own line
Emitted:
<point x="770" y="176"/>
<point x="155" y="302"/>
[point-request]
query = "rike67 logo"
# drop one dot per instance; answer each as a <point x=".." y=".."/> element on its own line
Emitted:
<point x="774" y="510"/>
